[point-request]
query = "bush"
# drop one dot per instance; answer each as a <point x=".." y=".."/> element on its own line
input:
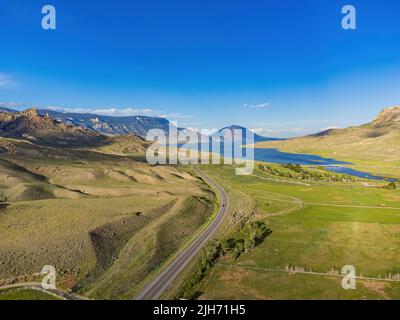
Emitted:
<point x="252" y="235"/>
<point x="391" y="186"/>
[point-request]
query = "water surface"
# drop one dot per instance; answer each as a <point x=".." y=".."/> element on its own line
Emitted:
<point x="275" y="156"/>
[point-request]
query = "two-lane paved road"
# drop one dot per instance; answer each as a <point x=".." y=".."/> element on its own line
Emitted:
<point x="160" y="284"/>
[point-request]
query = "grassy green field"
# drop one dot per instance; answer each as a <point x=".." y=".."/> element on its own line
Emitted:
<point x="109" y="222"/>
<point x="231" y="283"/>
<point x="25" y="294"/>
<point x="318" y="227"/>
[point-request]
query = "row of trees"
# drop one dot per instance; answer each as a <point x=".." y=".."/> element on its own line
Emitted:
<point x="298" y="172"/>
<point x="248" y="238"/>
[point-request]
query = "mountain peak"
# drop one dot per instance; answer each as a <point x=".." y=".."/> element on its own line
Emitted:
<point x="391" y="114"/>
<point x="233" y="127"/>
<point x="257" y="138"/>
<point x="32" y="126"/>
<point x="33" y="112"/>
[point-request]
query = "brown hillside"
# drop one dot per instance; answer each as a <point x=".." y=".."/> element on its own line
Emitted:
<point x="375" y="141"/>
<point x="30" y="125"/>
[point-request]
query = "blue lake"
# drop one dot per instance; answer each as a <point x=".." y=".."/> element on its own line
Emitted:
<point x="275" y="156"/>
<point x="356" y="173"/>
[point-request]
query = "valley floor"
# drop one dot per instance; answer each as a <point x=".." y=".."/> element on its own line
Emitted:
<point x="316" y="228"/>
<point x="109" y="222"/>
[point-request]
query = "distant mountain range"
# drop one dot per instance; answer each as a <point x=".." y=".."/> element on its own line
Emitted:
<point x="257" y="137"/>
<point x="373" y="140"/>
<point x="7" y="110"/>
<point x="108" y="125"/>
<point x="43" y="131"/>
<point x="115" y="126"/>
<point x="137" y="125"/>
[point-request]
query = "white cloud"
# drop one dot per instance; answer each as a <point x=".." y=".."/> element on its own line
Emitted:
<point x="257" y="106"/>
<point x="329" y="128"/>
<point x="292" y="130"/>
<point x="12" y="105"/>
<point x="257" y="130"/>
<point x="125" y="112"/>
<point x="102" y="111"/>
<point x="62" y="109"/>
<point x="117" y="112"/>
<point x="284" y="133"/>
<point x="5" y="80"/>
<point x="175" y="116"/>
<point x="193" y="129"/>
<point x="291" y="123"/>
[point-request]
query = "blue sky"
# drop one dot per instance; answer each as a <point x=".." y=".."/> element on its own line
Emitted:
<point x="283" y="67"/>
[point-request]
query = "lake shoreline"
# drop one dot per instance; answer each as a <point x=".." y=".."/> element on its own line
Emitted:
<point x="272" y="155"/>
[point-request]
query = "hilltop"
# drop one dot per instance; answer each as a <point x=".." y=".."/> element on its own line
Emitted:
<point x="257" y="137"/>
<point x="374" y="141"/>
<point x="42" y="130"/>
<point x="388" y="115"/>
<point x="30" y="125"/>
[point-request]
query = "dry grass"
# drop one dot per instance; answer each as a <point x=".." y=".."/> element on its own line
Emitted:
<point x="57" y="232"/>
<point x="149" y="248"/>
<point x="87" y="212"/>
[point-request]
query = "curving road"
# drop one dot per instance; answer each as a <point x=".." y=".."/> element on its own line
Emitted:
<point x="159" y="285"/>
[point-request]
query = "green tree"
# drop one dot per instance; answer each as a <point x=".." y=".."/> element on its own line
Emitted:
<point x="391" y="186"/>
<point x="238" y="249"/>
